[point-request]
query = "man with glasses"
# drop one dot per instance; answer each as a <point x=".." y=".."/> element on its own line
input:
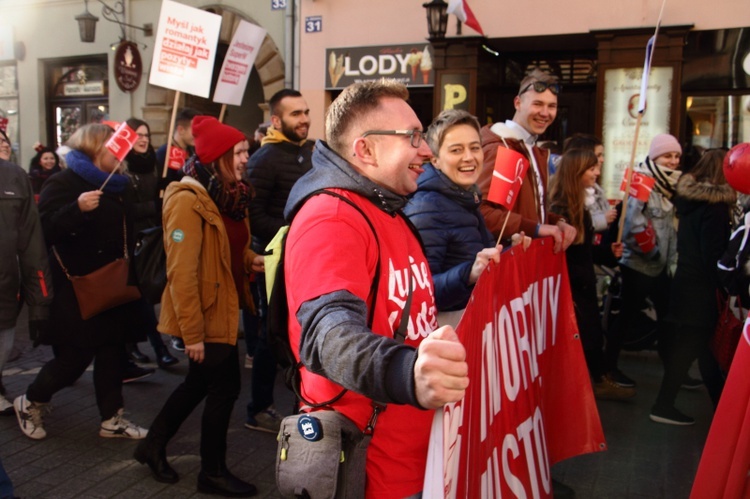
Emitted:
<point x="356" y="276"/>
<point x="536" y="109"/>
<point x="283" y="157"/>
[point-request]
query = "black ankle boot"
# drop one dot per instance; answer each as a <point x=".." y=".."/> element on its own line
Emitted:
<point x="135" y="354"/>
<point x="163" y="358"/>
<point x="225" y="484"/>
<point x="156" y="459"/>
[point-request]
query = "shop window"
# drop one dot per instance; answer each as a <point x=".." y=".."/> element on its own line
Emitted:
<point x="78" y="93"/>
<point x="718" y="120"/>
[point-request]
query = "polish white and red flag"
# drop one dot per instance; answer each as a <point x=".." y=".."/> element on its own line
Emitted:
<point x="461" y="10"/>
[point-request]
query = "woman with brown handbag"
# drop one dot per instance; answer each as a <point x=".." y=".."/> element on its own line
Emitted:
<point x="84" y="219"/>
<point x="207" y="241"/>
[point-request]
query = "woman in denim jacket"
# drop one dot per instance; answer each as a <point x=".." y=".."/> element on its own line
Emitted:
<point x="650" y="237"/>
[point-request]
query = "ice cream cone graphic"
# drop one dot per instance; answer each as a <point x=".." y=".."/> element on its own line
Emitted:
<point x="413" y="61"/>
<point x="335" y="67"/>
<point x="425" y="65"/>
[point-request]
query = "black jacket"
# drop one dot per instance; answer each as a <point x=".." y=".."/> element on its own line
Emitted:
<point x="273" y="170"/>
<point x="85" y="242"/>
<point x="704" y="213"/>
<point x="23" y="256"/>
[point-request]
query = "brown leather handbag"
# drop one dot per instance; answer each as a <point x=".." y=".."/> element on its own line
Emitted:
<point x="106" y="287"/>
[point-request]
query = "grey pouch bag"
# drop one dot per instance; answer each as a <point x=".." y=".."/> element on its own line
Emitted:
<point x="321" y="454"/>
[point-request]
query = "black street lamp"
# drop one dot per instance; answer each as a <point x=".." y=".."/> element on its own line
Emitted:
<point x="437" y="19"/>
<point x="87" y="25"/>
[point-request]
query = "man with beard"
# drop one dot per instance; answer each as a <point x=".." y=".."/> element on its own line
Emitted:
<point x="284" y="156"/>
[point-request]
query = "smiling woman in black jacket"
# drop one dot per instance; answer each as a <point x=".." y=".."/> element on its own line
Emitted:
<point x="445" y="210"/>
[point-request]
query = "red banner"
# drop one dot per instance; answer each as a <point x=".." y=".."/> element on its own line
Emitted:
<point x="529" y="403"/>
<point x="723" y="470"/>
<point x="640" y="185"/>
<point x="510" y="170"/>
<point x="177" y="158"/>
<point x="122" y="141"/>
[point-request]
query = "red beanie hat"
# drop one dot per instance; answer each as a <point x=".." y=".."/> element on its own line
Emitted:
<point x="213" y="138"/>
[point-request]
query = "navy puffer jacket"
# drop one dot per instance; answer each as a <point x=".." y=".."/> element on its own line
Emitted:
<point x="453" y="232"/>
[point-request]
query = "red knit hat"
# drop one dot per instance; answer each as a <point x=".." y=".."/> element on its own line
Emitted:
<point x="213" y="138"/>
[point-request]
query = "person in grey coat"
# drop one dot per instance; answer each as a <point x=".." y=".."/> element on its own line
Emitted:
<point x="24" y="268"/>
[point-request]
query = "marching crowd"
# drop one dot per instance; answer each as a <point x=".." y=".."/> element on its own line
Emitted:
<point x="377" y="274"/>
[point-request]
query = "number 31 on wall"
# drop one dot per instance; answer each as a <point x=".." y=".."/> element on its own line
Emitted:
<point x="314" y="24"/>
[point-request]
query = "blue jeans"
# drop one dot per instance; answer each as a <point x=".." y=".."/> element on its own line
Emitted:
<point x="264" y="362"/>
<point x="250" y="322"/>
<point x="6" y="486"/>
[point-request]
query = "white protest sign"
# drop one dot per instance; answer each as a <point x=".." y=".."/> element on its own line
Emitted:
<point x="238" y="63"/>
<point x="185" y="49"/>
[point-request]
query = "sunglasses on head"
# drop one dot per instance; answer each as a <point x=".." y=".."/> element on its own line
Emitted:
<point x="541" y="86"/>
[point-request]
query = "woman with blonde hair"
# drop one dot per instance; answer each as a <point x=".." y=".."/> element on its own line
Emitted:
<point x="86" y="223"/>
<point x="207" y="240"/>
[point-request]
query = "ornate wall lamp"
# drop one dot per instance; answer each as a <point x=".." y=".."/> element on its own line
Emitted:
<point x="87" y="21"/>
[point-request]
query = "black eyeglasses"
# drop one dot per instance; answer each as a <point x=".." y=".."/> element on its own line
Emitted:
<point x="416" y="136"/>
<point x="143" y="135"/>
<point x="541" y="86"/>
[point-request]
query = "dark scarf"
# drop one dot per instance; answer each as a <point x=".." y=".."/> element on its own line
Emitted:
<point x="232" y="200"/>
<point x="82" y="166"/>
<point x="666" y="178"/>
<point x="141" y="163"/>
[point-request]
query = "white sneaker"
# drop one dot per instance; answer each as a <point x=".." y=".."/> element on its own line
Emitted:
<point x="119" y="427"/>
<point x="29" y="416"/>
<point x="6" y="408"/>
<point x="248" y="362"/>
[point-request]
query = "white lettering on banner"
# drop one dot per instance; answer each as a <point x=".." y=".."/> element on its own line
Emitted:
<point x="512" y="344"/>
<point x="530" y="433"/>
<point x="398" y="291"/>
<point x="454" y="415"/>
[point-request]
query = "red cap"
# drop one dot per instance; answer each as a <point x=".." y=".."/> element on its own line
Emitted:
<point x="213" y="138"/>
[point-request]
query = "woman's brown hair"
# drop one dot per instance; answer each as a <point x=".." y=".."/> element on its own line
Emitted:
<point x="567" y="190"/>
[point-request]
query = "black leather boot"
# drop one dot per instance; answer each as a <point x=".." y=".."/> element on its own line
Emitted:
<point x="156" y="459"/>
<point x="225" y="484"/>
<point x="135" y="354"/>
<point x="164" y="358"/>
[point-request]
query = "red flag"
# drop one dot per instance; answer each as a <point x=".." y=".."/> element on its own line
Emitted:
<point x="640" y="185"/>
<point x="722" y="472"/>
<point x="510" y="170"/>
<point x="462" y="11"/>
<point x="121" y="142"/>
<point x="177" y="158"/>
